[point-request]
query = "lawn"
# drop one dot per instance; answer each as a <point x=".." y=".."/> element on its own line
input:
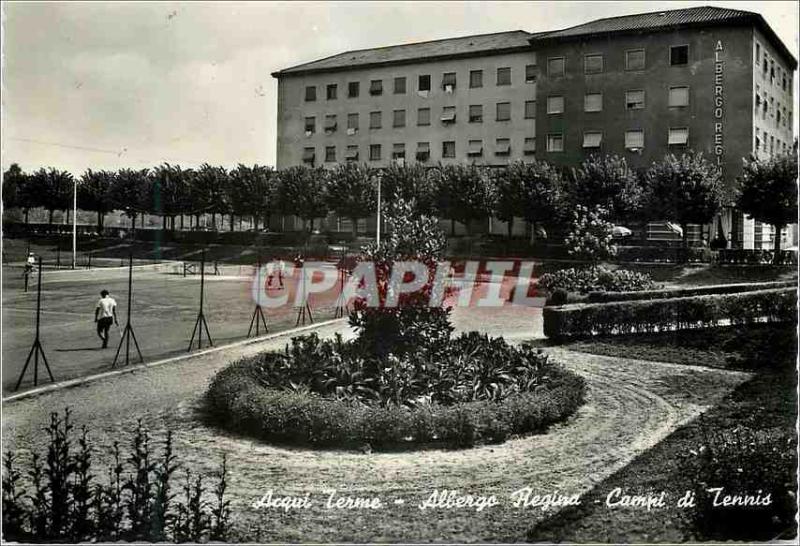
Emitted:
<point x="765" y="403"/>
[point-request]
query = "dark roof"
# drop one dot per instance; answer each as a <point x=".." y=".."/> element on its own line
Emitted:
<point x="665" y="20"/>
<point x="465" y="46"/>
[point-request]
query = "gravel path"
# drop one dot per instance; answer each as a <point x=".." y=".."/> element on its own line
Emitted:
<point x="631" y="406"/>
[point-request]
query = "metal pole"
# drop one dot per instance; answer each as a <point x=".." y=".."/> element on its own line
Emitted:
<point x="378" y="228"/>
<point x="128" y="321"/>
<point x="74" y="223"/>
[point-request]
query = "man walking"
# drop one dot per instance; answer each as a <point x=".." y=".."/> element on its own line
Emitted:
<point x="104" y="314"/>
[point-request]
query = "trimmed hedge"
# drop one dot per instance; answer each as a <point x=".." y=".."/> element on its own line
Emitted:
<point x="237" y="401"/>
<point x="739" y="256"/>
<point x="603" y="297"/>
<point x="657" y="315"/>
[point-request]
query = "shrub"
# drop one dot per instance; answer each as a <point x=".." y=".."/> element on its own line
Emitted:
<point x="744" y="462"/>
<point x="585" y="280"/>
<point x="657" y="315"/>
<point x="236" y="400"/>
<point x="66" y="502"/>
<point x="600" y="297"/>
<point x="558" y="297"/>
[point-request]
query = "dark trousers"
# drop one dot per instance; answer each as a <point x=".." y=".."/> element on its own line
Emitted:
<point x="103" y="326"/>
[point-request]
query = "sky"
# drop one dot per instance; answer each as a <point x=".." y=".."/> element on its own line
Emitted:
<point x="105" y="85"/>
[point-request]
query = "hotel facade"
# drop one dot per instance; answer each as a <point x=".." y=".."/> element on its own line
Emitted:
<point x="711" y="80"/>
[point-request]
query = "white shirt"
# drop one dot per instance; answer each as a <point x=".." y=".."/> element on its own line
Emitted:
<point x="106" y="306"/>
<point x="31" y="260"/>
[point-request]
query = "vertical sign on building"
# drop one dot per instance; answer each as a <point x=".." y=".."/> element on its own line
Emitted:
<point x="719" y="105"/>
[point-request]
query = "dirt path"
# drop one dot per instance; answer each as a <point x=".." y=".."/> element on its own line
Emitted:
<point x="631" y="406"/>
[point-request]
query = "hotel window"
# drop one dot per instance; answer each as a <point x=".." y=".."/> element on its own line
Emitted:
<point x="634" y="59"/>
<point x="758" y="141"/>
<point x="555" y="142"/>
<point x="771" y="145"/>
<point x="766" y="65"/>
<point x="352" y="124"/>
<point x="503" y="111"/>
<point x="330" y="154"/>
<point x="758" y="97"/>
<point x="555" y="104"/>
<point x="308" y="155"/>
<point x="423" y="151"/>
<point x="400" y="85"/>
<point x="330" y="92"/>
<point x="374" y="120"/>
<point x="330" y="123"/>
<point x="530" y="73"/>
<point x="593" y="102"/>
<point x="772" y="72"/>
<point x="758" y="53"/>
<point x="376" y="87"/>
<point x="634" y="140"/>
<point x="555" y="66"/>
<point x="592" y="64"/>
<point x="476" y="113"/>
<point x="399" y="118"/>
<point x="374" y="152"/>
<point x="778" y="116"/>
<point x="679" y="55"/>
<point x="311" y="93"/>
<point x="502" y="146"/>
<point x="449" y="81"/>
<point x="475" y="148"/>
<point x="448" y="149"/>
<point x="530" y="109"/>
<point x="448" y="114"/>
<point x="529" y="148"/>
<point x="504" y="76"/>
<point x="678" y="136"/>
<point x="399" y="151"/>
<point x="475" y="79"/>
<point x="424" y="116"/>
<point x="424" y="82"/>
<point x="592" y="139"/>
<point x="352" y="153"/>
<point x="634" y="100"/>
<point x="679" y="96"/>
<point x="783" y="85"/>
<point x="310" y="125"/>
<point x="353" y="89"/>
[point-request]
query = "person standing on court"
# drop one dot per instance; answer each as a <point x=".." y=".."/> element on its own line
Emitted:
<point x="104" y="315"/>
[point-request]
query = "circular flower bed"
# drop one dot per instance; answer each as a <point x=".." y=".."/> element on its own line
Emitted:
<point x="473" y="389"/>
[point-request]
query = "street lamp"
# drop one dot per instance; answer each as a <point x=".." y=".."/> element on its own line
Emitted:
<point x="74" y="221"/>
<point x="378" y="229"/>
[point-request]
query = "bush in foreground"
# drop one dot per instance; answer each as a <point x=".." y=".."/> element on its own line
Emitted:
<point x="479" y="390"/>
<point x="65" y="500"/>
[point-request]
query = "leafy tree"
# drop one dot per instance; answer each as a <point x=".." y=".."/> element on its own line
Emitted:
<point x="589" y="236"/>
<point x="685" y="190"/>
<point x="52" y="189"/>
<point x="411" y="182"/>
<point x="606" y="181"/>
<point x="94" y="193"/>
<point x="352" y="192"/>
<point x="768" y="193"/>
<point x="412" y="324"/>
<point x="208" y="192"/>
<point x="301" y="191"/>
<point x="168" y="190"/>
<point x="528" y="190"/>
<point x="13" y="180"/>
<point x="251" y="192"/>
<point x="464" y="193"/>
<point x="130" y="192"/>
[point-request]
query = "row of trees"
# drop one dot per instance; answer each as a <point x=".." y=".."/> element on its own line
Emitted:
<point x="683" y="189"/>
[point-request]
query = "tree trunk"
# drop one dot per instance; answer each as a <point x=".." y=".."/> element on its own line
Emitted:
<point x="99" y="222"/>
<point x="685" y="228"/>
<point x="231" y="222"/>
<point x="26" y="215"/>
<point x="776" y="259"/>
<point x="510" y="226"/>
<point x="213" y="220"/>
<point x="50" y="217"/>
<point x="181" y="222"/>
<point x="254" y="221"/>
<point x="133" y="225"/>
<point x="452" y="227"/>
<point x="164" y="223"/>
<point x="355" y="227"/>
<point x="533" y="233"/>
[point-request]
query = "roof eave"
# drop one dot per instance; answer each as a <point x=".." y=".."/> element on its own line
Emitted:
<point x="486" y="53"/>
